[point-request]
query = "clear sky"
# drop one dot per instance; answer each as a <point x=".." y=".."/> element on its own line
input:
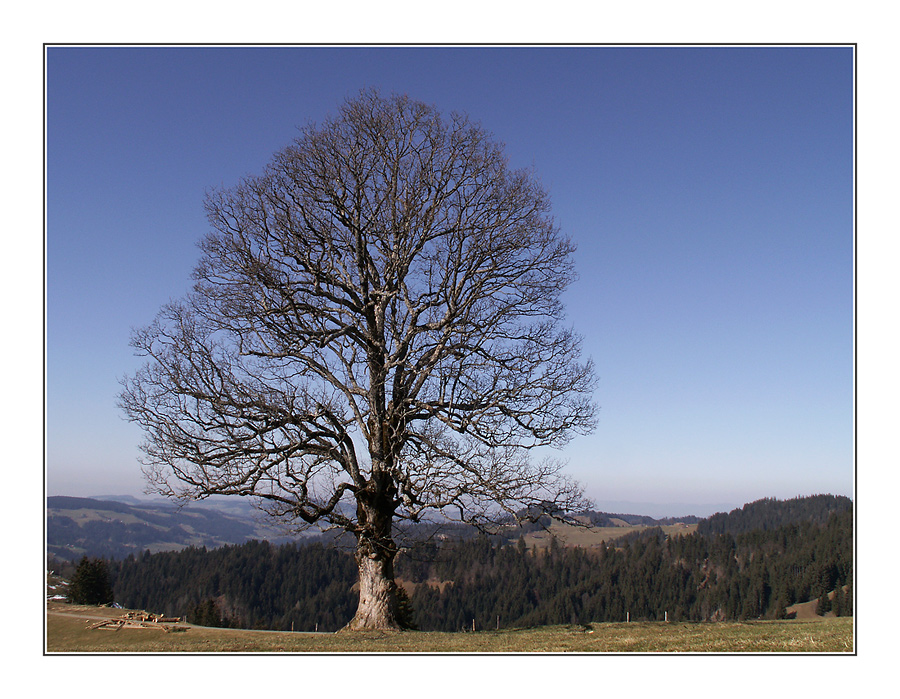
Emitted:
<point x="709" y="191"/>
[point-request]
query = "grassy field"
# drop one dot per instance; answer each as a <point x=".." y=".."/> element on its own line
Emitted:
<point x="587" y="537"/>
<point x="68" y="632"/>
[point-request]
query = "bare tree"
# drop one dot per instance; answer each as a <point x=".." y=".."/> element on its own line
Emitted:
<point x="374" y="332"/>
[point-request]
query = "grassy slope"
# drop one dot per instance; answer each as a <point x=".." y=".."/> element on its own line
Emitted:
<point x="67" y="632"/>
<point x="594" y="536"/>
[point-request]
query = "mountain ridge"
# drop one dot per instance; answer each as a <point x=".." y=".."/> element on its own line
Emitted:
<point x="111" y="528"/>
<point x="79" y="526"/>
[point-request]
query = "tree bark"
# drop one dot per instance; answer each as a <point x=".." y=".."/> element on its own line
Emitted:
<point x="378" y="604"/>
<point x="375" y="552"/>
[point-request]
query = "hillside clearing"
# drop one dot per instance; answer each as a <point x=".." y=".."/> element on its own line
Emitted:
<point x="67" y="632"/>
<point x="592" y="537"/>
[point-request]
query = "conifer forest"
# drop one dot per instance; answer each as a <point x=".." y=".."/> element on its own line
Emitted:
<point x="748" y="564"/>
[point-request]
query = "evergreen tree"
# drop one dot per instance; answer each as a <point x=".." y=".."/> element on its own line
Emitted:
<point x="780" y="609"/>
<point x="206" y="613"/>
<point x="837" y="604"/>
<point x="407" y="615"/>
<point x="823" y="605"/>
<point x="848" y="599"/>
<point x="90" y="583"/>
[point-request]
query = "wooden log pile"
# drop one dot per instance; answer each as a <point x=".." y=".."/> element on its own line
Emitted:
<point x="140" y="620"/>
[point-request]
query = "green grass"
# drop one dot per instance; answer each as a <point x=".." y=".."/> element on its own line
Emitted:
<point x="68" y="633"/>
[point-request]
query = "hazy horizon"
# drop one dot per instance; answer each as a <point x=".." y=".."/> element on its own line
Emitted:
<point x="625" y="507"/>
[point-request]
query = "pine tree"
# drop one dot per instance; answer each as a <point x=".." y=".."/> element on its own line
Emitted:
<point x="90" y="583"/>
<point x="823" y="605"/>
<point x="837" y="604"/>
<point x="780" y="608"/>
<point x="406" y="612"/>
<point x="848" y="599"/>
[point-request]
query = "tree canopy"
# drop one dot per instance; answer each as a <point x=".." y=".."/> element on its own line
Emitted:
<point x="375" y="331"/>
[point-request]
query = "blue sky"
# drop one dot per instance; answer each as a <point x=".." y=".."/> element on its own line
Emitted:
<point x="709" y="191"/>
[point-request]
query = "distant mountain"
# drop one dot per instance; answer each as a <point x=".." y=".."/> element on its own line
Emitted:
<point x="237" y="506"/>
<point x="115" y="529"/>
<point x="607" y="519"/>
<point x="666" y="510"/>
<point x="127" y="499"/>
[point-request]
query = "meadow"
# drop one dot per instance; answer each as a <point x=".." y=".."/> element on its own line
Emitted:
<point x="588" y="537"/>
<point x="67" y="632"/>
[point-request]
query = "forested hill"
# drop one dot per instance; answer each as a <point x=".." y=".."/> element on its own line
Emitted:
<point x="690" y="577"/>
<point x="769" y="513"/>
<point x="114" y="529"/>
<point x="648" y="575"/>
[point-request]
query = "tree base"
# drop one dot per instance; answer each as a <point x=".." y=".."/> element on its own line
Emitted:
<point x="354" y="627"/>
<point x="379" y="608"/>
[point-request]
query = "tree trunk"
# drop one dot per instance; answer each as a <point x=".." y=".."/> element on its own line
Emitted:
<point x="375" y="551"/>
<point x="378" y="603"/>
